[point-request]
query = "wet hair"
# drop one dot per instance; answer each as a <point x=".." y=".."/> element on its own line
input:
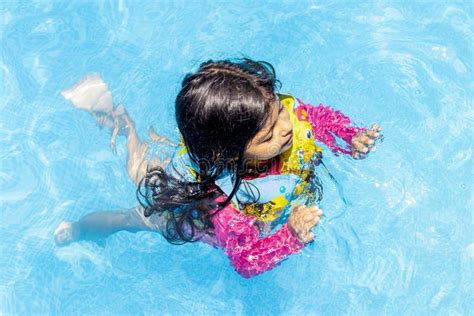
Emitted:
<point x="219" y="109"/>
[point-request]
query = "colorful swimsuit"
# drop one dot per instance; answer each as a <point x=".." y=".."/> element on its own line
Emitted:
<point x="252" y="229"/>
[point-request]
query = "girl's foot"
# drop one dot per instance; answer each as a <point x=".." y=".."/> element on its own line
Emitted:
<point x="65" y="234"/>
<point x="92" y="95"/>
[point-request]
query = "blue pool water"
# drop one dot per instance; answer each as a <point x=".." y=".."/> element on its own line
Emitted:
<point x="402" y="244"/>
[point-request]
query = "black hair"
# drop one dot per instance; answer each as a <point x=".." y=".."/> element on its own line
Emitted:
<point x="219" y="109"/>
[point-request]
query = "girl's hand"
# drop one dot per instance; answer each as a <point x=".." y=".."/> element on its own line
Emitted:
<point x="302" y="219"/>
<point x="364" y="142"/>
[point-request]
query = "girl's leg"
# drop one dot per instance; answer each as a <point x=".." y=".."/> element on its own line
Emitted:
<point x="137" y="160"/>
<point x="92" y="94"/>
<point x="99" y="225"/>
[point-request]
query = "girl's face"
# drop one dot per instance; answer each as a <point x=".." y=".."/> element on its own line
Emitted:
<point x="273" y="139"/>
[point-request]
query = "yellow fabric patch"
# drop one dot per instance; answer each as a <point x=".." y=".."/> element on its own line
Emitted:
<point x="266" y="212"/>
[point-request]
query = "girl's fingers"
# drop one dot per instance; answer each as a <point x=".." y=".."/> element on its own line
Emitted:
<point x="359" y="146"/>
<point x="297" y="209"/>
<point x="359" y="155"/>
<point x="307" y="237"/>
<point x="313" y="211"/>
<point x="374" y="131"/>
<point x="372" y="134"/>
<point x="319" y="212"/>
<point x="376" y="127"/>
<point x="312" y="223"/>
<point x="309" y="217"/>
<point x="316" y="211"/>
<point x="366" y="140"/>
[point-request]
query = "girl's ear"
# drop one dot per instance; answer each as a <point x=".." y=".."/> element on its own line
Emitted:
<point x="181" y="140"/>
<point x="248" y="144"/>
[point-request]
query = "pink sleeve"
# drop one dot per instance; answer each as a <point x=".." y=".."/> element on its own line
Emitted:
<point x="328" y="123"/>
<point x="249" y="253"/>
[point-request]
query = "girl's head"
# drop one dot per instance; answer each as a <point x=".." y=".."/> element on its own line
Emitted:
<point x="230" y="118"/>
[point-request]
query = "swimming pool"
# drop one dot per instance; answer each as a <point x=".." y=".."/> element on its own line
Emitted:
<point x="398" y="236"/>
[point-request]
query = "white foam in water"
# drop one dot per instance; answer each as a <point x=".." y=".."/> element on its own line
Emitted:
<point x="91" y="94"/>
<point x="77" y="254"/>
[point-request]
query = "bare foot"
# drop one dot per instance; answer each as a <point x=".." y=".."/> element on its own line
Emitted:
<point x="92" y="95"/>
<point x="65" y="234"/>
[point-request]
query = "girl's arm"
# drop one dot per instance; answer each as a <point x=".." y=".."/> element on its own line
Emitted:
<point x="328" y="123"/>
<point x="249" y="253"/>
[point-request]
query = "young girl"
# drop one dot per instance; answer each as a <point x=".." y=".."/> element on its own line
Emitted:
<point x="243" y="177"/>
